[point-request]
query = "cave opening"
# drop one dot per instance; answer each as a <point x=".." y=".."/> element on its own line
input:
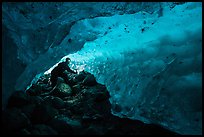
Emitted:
<point x="139" y="66"/>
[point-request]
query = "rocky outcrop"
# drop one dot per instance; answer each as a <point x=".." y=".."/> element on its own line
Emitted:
<point x="86" y="111"/>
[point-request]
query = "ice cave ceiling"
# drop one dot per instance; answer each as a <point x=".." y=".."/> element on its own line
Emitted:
<point x="148" y="54"/>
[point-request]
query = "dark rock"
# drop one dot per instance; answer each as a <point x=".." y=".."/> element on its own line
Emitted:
<point x="93" y="130"/>
<point x="13" y="120"/>
<point x="70" y="78"/>
<point x="77" y="88"/>
<point x="89" y="80"/>
<point x="43" y="113"/>
<point x="28" y="109"/>
<point x="56" y="102"/>
<point x="18" y="99"/>
<point x="79" y="108"/>
<point x="36" y="100"/>
<point x="101" y="96"/>
<point x="24" y="132"/>
<point x="31" y="91"/>
<point x="60" y="126"/>
<point x="76" y="108"/>
<point x="62" y="90"/>
<point x="97" y="117"/>
<point x="86" y="118"/>
<point x="75" y="124"/>
<point x="38" y="88"/>
<point x="80" y="77"/>
<point x="42" y="129"/>
<point x="35" y="89"/>
<point x="44" y="79"/>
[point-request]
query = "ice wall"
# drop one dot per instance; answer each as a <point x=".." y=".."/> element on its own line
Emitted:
<point x="151" y="65"/>
<point x="37" y="30"/>
<point x="150" y="61"/>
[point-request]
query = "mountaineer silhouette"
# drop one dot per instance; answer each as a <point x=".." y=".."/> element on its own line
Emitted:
<point x="59" y="71"/>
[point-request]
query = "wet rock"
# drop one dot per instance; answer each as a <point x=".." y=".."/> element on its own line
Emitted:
<point x="42" y="129"/>
<point x="13" y="120"/>
<point x="28" y="109"/>
<point x="24" y="132"/>
<point x="62" y="90"/>
<point x="18" y="99"/>
<point x="73" y="123"/>
<point x="91" y="118"/>
<point x="86" y="118"/>
<point x="70" y="77"/>
<point x="89" y="80"/>
<point x="70" y="103"/>
<point x="36" y="100"/>
<point x="93" y="130"/>
<point x="86" y="92"/>
<point x="97" y="117"/>
<point x="101" y="96"/>
<point x="38" y="88"/>
<point x="60" y="126"/>
<point x="43" y="113"/>
<point x="77" y="88"/>
<point x="76" y="108"/>
<point x="31" y="91"/>
<point x="35" y="89"/>
<point x="80" y="77"/>
<point x="44" y="79"/>
<point x="56" y="102"/>
<point x="100" y="88"/>
<point x="79" y="109"/>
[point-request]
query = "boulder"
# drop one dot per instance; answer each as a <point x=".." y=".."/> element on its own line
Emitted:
<point x="73" y="123"/>
<point x="18" y="99"/>
<point x="77" y="88"/>
<point x="70" y="78"/>
<point x="43" y="113"/>
<point x="62" y="90"/>
<point x="80" y="77"/>
<point x="86" y="118"/>
<point x="101" y="96"/>
<point x="28" y="109"/>
<point x="41" y="129"/>
<point x="38" y="88"/>
<point x="89" y="80"/>
<point x="56" y="102"/>
<point x="24" y="132"/>
<point x="36" y="100"/>
<point x="93" y="130"/>
<point x="35" y="89"/>
<point x="31" y="91"/>
<point x="13" y="120"/>
<point x="60" y="126"/>
<point x="45" y="78"/>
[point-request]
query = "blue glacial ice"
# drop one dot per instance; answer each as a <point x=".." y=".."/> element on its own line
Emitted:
<point x="154" y="74"/>
<point x="149" y="60"/>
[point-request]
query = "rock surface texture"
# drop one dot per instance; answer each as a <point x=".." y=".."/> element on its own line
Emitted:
<point x="85" y="112"/>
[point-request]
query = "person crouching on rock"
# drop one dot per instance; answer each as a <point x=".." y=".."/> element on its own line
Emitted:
<point x="59" y="72"/>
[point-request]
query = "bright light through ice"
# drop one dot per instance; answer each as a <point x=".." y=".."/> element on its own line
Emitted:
<point x="49" y="70"/>
<point x="75" y="64"/>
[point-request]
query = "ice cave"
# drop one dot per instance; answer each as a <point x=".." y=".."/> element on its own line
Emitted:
<point x="148" y="56"/>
